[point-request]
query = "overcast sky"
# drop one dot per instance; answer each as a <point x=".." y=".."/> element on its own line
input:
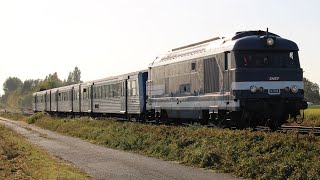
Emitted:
<point x="104" y="37"/>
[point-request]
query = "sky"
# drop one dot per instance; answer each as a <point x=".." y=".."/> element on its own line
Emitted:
<point x="105" y="38"/>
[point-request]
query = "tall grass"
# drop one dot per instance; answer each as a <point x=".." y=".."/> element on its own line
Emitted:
<point x="256" y="155"/>
<point x="311" y="117"/>
<point x="21" y="160"/>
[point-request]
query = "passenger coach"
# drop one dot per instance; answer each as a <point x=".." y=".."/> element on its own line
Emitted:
<point x="122" y="96"/>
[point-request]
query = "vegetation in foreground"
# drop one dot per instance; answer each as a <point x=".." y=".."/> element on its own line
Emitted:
<point x="256" y="155"/>
<point x="21" y="160"/>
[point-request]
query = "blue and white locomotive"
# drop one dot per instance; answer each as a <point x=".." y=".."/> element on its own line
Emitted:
<point x="253" y="78"/>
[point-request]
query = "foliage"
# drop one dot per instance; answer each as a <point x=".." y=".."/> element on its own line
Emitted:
<point x="255" y="155"/>
<point x="18" y="94"/>
<point x="32" y="119"/>
<point x="74" y="77"/>
<point x="311" y="91"/>
<point x="51" y="81"/>
<point x="11" y="84"/>
<point x="19" y="159"/>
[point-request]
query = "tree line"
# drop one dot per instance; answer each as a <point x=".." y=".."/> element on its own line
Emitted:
<point x="18" y="94"/>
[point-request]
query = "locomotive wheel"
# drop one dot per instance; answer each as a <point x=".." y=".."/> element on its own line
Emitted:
<point x="242" y="121"/>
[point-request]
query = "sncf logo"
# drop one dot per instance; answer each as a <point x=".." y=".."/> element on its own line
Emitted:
<point x="274" y="78"/>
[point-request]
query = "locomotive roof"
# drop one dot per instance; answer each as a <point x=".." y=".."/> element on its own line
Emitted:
<point x="243" y="40"/>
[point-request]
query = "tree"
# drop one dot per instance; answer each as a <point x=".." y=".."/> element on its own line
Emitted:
<point x="311" y="91"/>
<point x="51" y="81"/>
<point x="74" y="76"/>
<point x="11" y="84"/>
<point x="29" y="86"/>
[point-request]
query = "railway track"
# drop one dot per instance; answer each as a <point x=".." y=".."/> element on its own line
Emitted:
<point x="298" y="129"/>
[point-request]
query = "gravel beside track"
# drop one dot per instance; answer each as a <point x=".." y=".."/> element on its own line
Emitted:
<point x="105" y="163"/>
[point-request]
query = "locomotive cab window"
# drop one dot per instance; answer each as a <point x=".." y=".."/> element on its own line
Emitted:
<point x="267" y="59"/>
<point x="193" y="66"/>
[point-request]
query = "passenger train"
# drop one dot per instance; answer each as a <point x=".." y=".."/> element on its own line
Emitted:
<point x="250" y="79"/>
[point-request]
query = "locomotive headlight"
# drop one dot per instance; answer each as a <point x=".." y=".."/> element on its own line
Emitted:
<point x="261" y="89"/>
<point x="253" y="89"/>
<point x="287" y="89"/>
<point x="294" y="89"/>
<point x="270" y="41"/>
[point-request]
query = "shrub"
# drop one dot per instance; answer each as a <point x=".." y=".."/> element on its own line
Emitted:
<point x="32" y="119"/>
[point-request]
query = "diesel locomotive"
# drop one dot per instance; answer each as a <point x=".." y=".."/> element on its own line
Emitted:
<point x="252" y="78"/>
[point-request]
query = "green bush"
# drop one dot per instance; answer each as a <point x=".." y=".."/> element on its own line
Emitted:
<point x="32" y="119"/>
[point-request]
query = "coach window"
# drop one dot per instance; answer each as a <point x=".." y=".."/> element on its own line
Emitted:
<point x="102" y="92"/>
<point x="121" y="89"/>
<point x="133" y="88"/>
<point x="98" y="92"/>
<point x="94" y="92"/>
<point x="115" y="90"/>
<point x="193" y="66"/>
<point x="84" y="94"/>
<point x="75" y="94"/>
<point x="106" y="91"/>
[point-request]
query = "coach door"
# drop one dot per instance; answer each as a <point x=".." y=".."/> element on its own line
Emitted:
<point x="90" y="104"/>
<point x="123" y="97"/>
<point x="45" y="101"/>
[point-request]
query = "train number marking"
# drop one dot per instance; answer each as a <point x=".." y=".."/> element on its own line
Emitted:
<point x="274" y="78"/>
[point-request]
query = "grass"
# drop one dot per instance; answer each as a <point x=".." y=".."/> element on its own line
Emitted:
<point x="312" y="117"/>
<point x="255" y="155"/>
<point x="21" y="160"/>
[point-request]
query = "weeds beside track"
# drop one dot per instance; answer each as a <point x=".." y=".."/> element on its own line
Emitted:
<point x="19" y="159"/>
<point x="248" y="154"/>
